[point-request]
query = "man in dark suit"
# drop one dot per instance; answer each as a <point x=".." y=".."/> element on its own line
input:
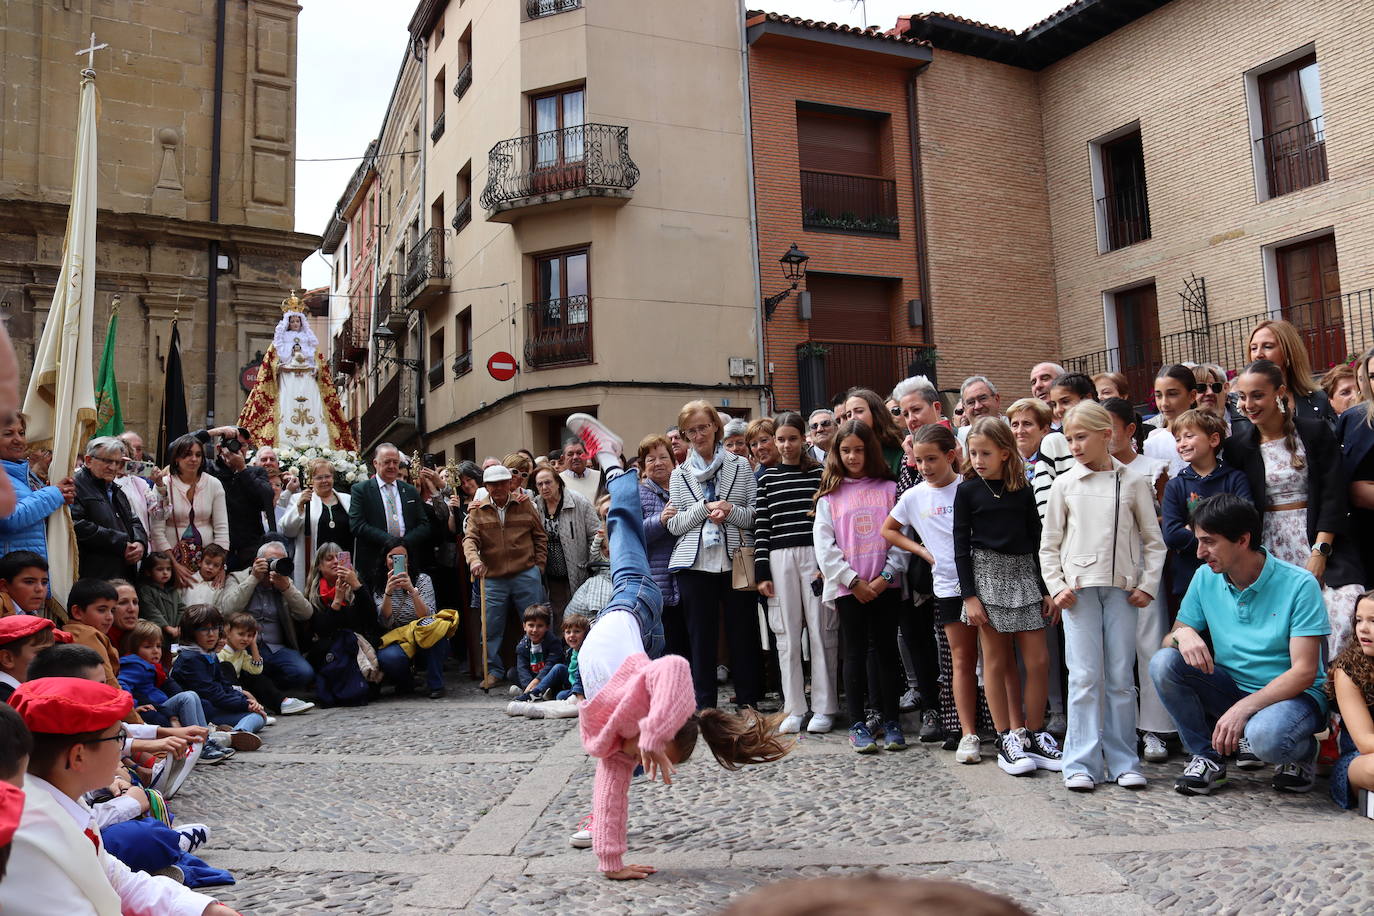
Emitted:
<point x="110" y="539"/>
<point x="384" y="510"/>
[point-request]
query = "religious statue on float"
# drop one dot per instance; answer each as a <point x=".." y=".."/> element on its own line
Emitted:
<point x="294" y="404"/>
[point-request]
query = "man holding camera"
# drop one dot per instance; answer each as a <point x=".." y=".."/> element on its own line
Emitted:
<point x="266" y="591"/>
<point x="247" y="492"/>
<point x="110" y="540"/>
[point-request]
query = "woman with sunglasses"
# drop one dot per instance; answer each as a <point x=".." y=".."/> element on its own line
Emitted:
<point x="1213" y="392"/>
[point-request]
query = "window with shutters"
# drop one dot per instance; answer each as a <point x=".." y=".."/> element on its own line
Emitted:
<point x="851" y="333"/>
<point x="846" y="183"/>
<point x="1122" y="204"/>
<point x="1287" y="124"/>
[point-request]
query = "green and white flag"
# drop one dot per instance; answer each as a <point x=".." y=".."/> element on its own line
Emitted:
<point x="109" y="418"/>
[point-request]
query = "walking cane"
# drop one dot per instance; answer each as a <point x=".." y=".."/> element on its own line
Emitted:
<point x="482" y="592"/>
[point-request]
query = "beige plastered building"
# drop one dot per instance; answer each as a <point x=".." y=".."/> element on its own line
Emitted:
<point x="167" y="214"/>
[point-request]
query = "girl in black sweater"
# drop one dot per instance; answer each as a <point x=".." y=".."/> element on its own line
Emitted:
<point x="785" y="566"/>
<point x="996" y="540"/>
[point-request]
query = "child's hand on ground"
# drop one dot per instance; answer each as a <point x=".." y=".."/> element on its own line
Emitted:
<point x="631" y="873"/>
<point x="657" y="762"/>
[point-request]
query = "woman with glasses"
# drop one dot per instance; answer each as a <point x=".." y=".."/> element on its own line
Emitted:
<point x="570" y="522"/>
<point x="109" y="537"/>
<point x="316" y="516"/>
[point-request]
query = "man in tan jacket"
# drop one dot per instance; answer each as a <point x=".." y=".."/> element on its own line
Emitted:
<point x="505" y="545"/>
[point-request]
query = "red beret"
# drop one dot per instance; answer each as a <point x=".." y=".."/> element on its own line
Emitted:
<point x="11" y="807"/>
<point x="70" y="705"/>
<point x="18" y="626"/>
<point x="61" y="636"/>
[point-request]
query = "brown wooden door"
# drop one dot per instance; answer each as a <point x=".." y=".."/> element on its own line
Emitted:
<point x="1310" y="296"/>
<point x="856" y="314"/>
<point x="1294" y="140"/>
<point x="1137" y="334"/>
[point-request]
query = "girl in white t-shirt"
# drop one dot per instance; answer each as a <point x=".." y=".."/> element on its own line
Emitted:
<point x="928" y="508"/>
<point x="1175" y="392"/>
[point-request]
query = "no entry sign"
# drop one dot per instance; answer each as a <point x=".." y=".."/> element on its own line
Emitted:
<point x="502" y="366"/>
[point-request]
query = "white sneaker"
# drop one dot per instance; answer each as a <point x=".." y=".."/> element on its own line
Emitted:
<point x="970" y="749"/>
<point x="790" y="726"/>
<point x="514" y="690"/>
<point x="1155" y="750"/>
<point x="582" y="839"/>
<point x="1079" y="782"/>
<point x="820" y="724"/>
<point x="518" y="707"/>
<point x="192" y="836"/>
<point x="1131" y="780"/>
<point x="291" y="706"/>
<point x="722" y="674"/>
<point x="269" y="720"/>
<point x="177" y="779"/>
<point x="908" y="701"/>
<point x="220" y="738"/>
<point x="604" y="446"/>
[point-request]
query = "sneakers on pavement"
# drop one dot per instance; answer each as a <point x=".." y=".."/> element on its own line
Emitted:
<point x="177" y="779"/>
<point x="292" y="706"/>
<point x="518" y="708"/>
<point x="909" y="701"/>
<point x="216" y="753"/>
<point x="930" y="727"/>
<point x="820" y="723"/>
<point x="1154" y="748"/>
<point x="874" y="721"/>
<point x="862" y="739"/>
<point x="192" y="836"/>
<point x="951" y="742"/>
<point x="1131" y="780"/>
<point x="1079" y="782"/>
<point x="1042" y="749"/>
<point x="244" y="741"/>
<point x="514" y="690"/>
<point x="1201" y="776"/>
<point x="1011" y="756"/>
<point x="605" y="446"/>
<point x="893" y="739"/>
<point x="790" y="726"/>
<point x="1296" y="777"/>
<point x="970" y="750"/>
<point x="582" y="839"/>
<point x="1246" y="759"/>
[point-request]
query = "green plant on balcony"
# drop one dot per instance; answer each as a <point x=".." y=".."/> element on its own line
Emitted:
<point x="850" y="222"/>
<point x="812" y="349"/>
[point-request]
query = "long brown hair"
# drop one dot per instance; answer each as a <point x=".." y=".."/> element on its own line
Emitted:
<point x="1274" y="376"/>
<point x="1357" y="666"/>
<point x="794" y="420"/>
<point x="735" y="740"/>
<point x="875" y="465"/>
<point x="1297" y="368"/>
<point x="996" y="431"/>
<point x="885" y="427"/>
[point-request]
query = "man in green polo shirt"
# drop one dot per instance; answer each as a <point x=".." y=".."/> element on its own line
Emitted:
<point x="1257" y="692"/>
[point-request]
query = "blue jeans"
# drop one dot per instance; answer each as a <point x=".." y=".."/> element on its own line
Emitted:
<point x="554" y="677"/>
<point x="634" y="588"/>
<point x="287" y="668"/>
<point x="1099" y="651"/>
<point x="395" y="664"/>
<point x="186" y="706"/>
<point x="1281" y="733"/>
<point x="520" y="590"/>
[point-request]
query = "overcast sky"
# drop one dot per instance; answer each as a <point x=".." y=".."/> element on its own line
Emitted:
<point x="350" y="51"/>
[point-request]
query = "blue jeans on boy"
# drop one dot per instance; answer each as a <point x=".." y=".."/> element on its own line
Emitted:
<point x="554" y="677"/>
<point x="634" y="588"/>
<point x="186" y="707"/>
<point x="521" y="590"/>
<point x="395" y="664"/>
<point x="287" y="667"/>
<point x="1099" y="650"/>
<point x="1281" y="733"/>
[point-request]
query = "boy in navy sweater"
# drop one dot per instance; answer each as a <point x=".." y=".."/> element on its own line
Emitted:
<point x="1198" y="435"/>
<point x="539" y="657"/>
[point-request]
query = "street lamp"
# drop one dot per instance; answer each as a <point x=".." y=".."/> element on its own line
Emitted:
<point x="793" y="268"/>
<point x="386" y="339"/>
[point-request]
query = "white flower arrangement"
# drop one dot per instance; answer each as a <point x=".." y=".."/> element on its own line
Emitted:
<point x="348" y="467"/>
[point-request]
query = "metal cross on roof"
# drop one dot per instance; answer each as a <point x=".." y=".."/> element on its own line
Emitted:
<point x="90" y="52"/>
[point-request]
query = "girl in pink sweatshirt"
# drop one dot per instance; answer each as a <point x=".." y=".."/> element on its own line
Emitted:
<point x="638" y="711"/>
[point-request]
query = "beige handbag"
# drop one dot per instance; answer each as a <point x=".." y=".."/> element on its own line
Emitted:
<point x="742" y="570"/>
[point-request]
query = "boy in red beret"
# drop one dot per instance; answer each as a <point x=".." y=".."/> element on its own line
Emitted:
<point x="21" y="638"/>
<point x="78" y="734"/>
<point x="15" y="745"/>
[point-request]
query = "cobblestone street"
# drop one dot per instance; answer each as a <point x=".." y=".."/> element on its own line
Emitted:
<point x="424" y="807"/>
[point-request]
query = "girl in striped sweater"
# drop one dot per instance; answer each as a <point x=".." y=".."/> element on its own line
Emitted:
<point x="641" y="711"/>
<point x="785" y="566"/>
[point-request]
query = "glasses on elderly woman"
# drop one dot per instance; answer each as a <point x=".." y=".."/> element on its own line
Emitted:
<point x="1201" y="387"/>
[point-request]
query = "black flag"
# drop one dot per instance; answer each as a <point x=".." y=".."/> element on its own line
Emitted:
<point x="172" y="424"/>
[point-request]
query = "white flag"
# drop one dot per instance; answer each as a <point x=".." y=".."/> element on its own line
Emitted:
<point x="60" y="404"/>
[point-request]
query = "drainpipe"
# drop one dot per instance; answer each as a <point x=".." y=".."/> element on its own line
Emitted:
<point x="765" y="386"/>
<point x="212" y="282"/>
<point x="913" y="112"/>
<point x="425" y="141"/>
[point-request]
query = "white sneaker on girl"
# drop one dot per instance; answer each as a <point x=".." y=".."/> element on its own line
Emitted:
<point x="790" y="726"/>
<point x="970" y="749"/>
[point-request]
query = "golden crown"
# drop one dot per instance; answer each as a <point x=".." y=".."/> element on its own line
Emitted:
<point x="292" y="303"/>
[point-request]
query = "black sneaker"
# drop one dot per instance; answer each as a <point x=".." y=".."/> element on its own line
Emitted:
<point x="1011" y="756"/>
<point x="1296" y="777"/>
<point x="1245" y="758"/>
<point x="1042" y="749"/>
<point x="1200" y="776"/>
<point x="930" y="728"/>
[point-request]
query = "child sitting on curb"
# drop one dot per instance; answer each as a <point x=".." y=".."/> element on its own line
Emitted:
<point x="539" y="660"/>
<point x="564" y="705"/>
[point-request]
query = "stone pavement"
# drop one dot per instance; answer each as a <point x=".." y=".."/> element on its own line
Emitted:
<point x="417" y="806"/>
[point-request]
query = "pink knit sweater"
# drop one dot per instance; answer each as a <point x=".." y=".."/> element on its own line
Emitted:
<point x="651" y="699"/>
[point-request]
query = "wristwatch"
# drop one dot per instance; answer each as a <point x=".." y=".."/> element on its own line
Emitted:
<point x="888" y="576"/>
<point x="1323" y="548"/>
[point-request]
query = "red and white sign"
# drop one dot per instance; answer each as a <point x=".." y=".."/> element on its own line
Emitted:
<point x="502" y="366"/>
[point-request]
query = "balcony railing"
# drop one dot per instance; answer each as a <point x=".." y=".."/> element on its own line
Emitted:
<point x="558" y="332"/>
<point x="1295" y="158"/>
<point x="389" y="311"/>
<point x="462" y="364"/>
<point x="438" y="130"/>
<point x="464" y="81"/>
<point x="463" y="215"/>
<point x="828" y="367"/>
<point x="589" y="160"/>
<point x="849" y="203"/>
<point x="1332" y="329"/>
<point x="1125" y="216"/>
<point x="350" y="344"/>
<point x="538" y="8"/>
<point x="426" y="268"/>
<point x="392" y="414"/>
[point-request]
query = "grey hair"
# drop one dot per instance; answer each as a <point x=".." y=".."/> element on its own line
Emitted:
<point x="973" y="380"/>
<point x="1058" y="369"/>
<point x="918" y="385"/>
<point x="825" y="410"/>
<point x="378" y="450"/>
<point x="101" y="445"/>
<point x="735" y="427"/>
<point x="268" y="545"/>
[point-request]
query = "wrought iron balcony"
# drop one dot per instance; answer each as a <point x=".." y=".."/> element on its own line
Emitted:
<point x="350" y="344"/>
<point x="849" y="203"/>
<point x="464" y="81"/>
<point x="1295" y="158"/>
<point x="426" y="270"/>
<point x="389" y="311"/>
<point x="828" y="367"/>
<point x="537" y="9"/>
<point x="462" y="364"/>
<point x="558" y="332"/>
<point x="589" y="161"/>
<point x="1125" y="216"/>
<point x="438" y="130"/>
<point x="392" y="414"/>
<point x="463" y="215"/>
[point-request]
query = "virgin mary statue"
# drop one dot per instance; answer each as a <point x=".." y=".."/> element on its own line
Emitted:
<point x="294" y="404"/>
